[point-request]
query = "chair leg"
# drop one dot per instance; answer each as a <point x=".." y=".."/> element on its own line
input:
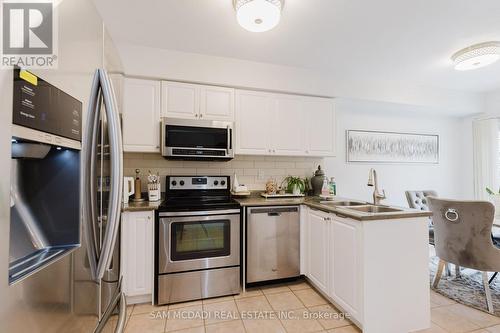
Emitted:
<point x="457" y="271"/>
<point x="492" y="278"/>
<point x="487" y="291"/>
<point x="439" y="273"/>
<point x="447" y="269"/>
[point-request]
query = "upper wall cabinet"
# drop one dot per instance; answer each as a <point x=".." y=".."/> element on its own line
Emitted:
<point x="254" y="122"/>
<point x="286" y="125"/>
<point x="194" y="101"/>
<point x="320" y="126"/>
<point x="141" y="115"/>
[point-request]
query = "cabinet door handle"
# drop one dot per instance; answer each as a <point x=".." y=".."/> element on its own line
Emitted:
<point x="201" y="116"/>
<point x="196" y="115"/>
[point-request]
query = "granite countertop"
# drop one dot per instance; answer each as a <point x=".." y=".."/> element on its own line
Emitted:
<point x="315" y="202"/>
<point x="141" y="206"/>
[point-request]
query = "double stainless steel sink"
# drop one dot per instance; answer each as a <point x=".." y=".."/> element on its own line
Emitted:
<point x="362" y="207"/>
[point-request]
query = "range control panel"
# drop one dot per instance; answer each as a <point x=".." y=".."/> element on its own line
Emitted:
<point x="198" y="182"/>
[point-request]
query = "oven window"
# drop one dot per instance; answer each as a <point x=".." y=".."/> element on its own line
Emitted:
<point x="197" y="240"/>
<point x="195" y="137"/>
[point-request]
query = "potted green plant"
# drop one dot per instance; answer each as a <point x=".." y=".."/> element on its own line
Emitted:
<point x="295" y="185"/>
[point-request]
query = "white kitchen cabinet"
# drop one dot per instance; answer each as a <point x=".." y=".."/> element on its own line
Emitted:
<point x="345" y="284"/>
<point x="137" y="255"/>
<point x="217" y="103"/>
<point x="141" y="115"/>
<point x="284" y="125"/>
<point x="180" y="100"/>
<point x="253" y="122"/>
<point x="288" y="130"/>
<point x="195" y="101"/>
<point x="320" y="126"/>
<point x="318" y="250"/>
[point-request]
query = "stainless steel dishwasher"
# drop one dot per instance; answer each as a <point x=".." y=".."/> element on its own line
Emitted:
<point x="273" y="243"/>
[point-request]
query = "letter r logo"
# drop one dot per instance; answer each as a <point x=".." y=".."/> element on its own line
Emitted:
<point x="27" y="28"/>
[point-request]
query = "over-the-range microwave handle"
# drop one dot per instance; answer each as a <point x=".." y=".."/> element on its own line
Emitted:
<point x="229" y="139"/>
<point x="116" y="174"/>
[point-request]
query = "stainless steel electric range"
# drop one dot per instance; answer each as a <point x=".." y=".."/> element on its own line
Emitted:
<point x="197" y="240"/>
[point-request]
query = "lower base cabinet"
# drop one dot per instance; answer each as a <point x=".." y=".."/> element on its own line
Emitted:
<point x="371" y="270"/>
<point x="137" y="256"/>
<point x="345" y="284"/>
<point x="318" y="254"/>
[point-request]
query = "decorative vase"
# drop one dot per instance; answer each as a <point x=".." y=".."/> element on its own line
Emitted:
<point x="317" y="181"/>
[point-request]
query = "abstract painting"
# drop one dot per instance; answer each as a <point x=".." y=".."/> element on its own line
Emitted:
<point x="392" y="147"/>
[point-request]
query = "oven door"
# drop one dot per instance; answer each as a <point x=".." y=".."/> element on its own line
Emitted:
<point x="208" y="139"/>
<point x="202" y="241"/>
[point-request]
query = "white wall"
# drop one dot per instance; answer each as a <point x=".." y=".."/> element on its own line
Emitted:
<point x="444" y="177"/>
<point x="191" y="67"/>
<point x="492" y="102"/>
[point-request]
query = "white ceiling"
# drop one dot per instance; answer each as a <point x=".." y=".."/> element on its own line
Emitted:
<point x="403" y="41"/>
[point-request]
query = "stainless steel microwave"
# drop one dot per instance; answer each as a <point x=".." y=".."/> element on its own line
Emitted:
<point x="196" y="139"/>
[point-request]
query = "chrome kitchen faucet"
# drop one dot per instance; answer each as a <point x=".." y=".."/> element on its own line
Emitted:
<point x="372" y="181"/>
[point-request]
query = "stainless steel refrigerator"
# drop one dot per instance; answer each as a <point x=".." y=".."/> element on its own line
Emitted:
<point x="65" y="207"/>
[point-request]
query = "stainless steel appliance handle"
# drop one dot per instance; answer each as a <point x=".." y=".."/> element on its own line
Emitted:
<point x="89" y="218"/>
<point x="93" y="175"/>
<point x="118" y="298"/>
<point x="274" y="211"/>
<point x="122" y="317"/>
<point x="199" y="213"/>
<point x="116" y="174"/>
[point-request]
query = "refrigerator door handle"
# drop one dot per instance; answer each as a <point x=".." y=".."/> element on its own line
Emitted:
<point x="93" y="176"/>
<point x="89" y="210"/>
<point x="122" y="317"/>
<point x="118" y="298"/>
<point x="116" y="175"/>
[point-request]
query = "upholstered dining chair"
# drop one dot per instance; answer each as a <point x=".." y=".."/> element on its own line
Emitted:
<point x="418" y="200"/>
<point x="462" y="236"/>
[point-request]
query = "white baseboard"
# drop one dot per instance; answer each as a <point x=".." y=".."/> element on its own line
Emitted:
<point x="138" y="299"/>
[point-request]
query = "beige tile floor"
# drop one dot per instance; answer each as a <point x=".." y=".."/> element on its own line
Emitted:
<point x="298" y="299"/>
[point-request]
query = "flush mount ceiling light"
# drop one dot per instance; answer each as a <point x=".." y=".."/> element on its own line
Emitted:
<point x="476" y="56"/>
<point x="258" y="15"/>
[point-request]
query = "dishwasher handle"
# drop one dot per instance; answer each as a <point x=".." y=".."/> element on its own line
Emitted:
<point x="274" y="211"/>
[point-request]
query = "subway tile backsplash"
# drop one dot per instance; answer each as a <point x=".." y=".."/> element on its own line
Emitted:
<point x="252" y="171"/>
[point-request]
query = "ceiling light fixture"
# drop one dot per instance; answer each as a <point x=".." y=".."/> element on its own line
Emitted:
<point x="258" y="15"/>
<point x="476" y="56"/>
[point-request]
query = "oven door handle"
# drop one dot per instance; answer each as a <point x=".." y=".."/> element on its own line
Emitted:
<point x="200" y="213"/>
